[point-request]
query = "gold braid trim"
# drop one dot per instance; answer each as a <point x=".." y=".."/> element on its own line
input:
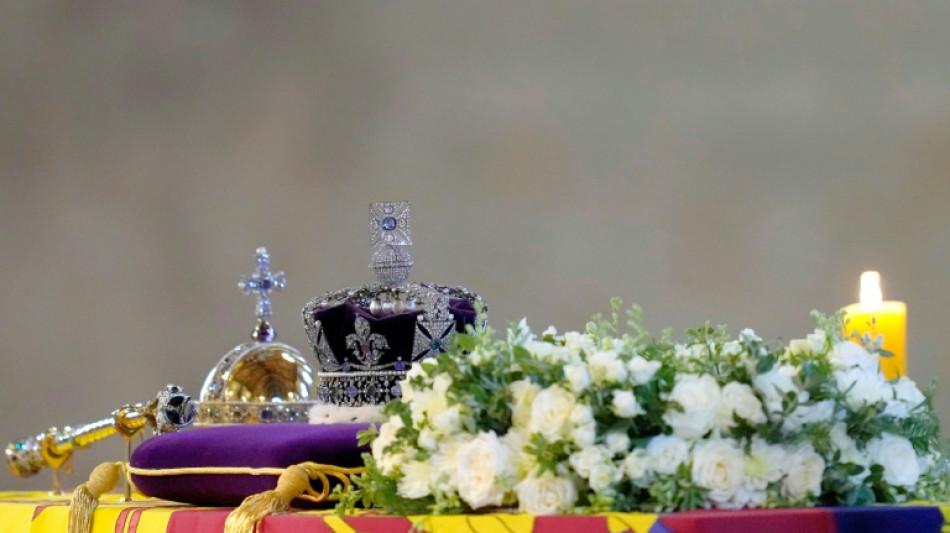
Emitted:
<point x="316" y="472"/>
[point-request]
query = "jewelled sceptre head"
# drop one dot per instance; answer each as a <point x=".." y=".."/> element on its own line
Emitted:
<point x="169" y="411"/>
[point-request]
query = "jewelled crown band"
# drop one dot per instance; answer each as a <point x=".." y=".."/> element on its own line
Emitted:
<point x="366" y="339"/>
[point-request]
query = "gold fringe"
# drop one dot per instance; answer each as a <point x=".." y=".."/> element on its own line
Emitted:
<point x="85" y="499"/>
<point x="293" y="483"/>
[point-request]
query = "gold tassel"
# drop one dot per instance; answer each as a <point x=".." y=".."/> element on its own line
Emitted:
<point x="86" y="496"/>
<point x="292" y="484"/>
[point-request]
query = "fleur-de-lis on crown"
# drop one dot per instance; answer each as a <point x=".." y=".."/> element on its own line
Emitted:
<point x="367" y="347"/>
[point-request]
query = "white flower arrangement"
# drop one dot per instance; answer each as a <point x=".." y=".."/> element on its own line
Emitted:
<point x="599" y="421"/>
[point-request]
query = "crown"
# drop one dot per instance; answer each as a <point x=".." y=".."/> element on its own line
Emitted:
<point x="366" y="339"/>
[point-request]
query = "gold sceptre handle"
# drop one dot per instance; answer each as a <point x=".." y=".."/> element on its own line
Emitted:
<point x="170" y="410"/>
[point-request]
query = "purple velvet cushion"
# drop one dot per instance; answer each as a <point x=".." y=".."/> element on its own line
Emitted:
<point x="244" y="445"/>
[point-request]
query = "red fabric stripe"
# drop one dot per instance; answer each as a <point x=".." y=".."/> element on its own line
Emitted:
<point x="562" y="523"/>
<point x="284" y="523"/>
<point x="121" y="519"/>
<point x="379" y="524"/>
<point x="136" y="515"/>
<point x="752" y="521"/>
<point x="197" y="520"/>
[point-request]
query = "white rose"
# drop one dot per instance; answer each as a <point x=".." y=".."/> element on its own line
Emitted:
<point x="578" y="342"/>
<point x="814" y="344"/>
<point x="577" y="376"/>
<point x="618" y="442"/>
<point x="641" y="370"/>
<point x="749" y="335"/>
<point x="739" y="399"/>
<point x="387" y="435"/>
<point x="849" y="354"/>
<point x="625" y="405"/>
<point x="522" y="393"/>
<point x="699" y="398"/>
<point x="388" y="463"/>
<point x="550" y="412"/>
<point x="427" y="439"/>
<point x="775" y="384"/>
<point x="585" y="460"/>
<point x="808" y="414"/>
<point x="414" y="482"/>
<point x="582" y="414"/>
<point x="637" y="466"/>
<point x="444" y="462"/>
<point x="732" y="348"/>
<point x="667" y="453"/>
<point x="763" y="464"/>
<point x="484" y="465"/>
<point x="603" y="475"/>
<point x="540" y="350"/>
<point x="803" y="472"/>
<point x="449" y="421"/>
<point x="583" y="435"/>
<point x="906" y="390"/>
<point x="896" y="455"/>
<point x="606" y="367"/>
<point x="861" y="387"/>
<point x="523" y="463"/>
<point x="718" y="465"/>
<point x="546" y="495"/>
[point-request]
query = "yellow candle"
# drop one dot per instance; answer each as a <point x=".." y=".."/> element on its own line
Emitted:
<point x="875" y="316"/>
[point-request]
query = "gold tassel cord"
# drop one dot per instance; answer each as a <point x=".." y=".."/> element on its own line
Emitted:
<point x="293" y="483"/>
<point x="85" y="499"/>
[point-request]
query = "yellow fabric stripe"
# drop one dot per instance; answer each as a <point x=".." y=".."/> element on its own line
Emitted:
<point x="15" y="518"/>
<point x="636" y="522"/>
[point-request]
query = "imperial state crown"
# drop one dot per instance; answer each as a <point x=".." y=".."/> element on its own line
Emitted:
<point x="366" y="339"/>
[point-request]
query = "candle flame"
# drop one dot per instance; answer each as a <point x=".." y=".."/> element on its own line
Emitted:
<point x="871" y="295"/>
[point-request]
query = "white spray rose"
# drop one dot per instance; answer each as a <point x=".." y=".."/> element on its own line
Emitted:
<point x="583" y="435"/>
<point x="815" y="343"/>
<point x="636" y="466"/>
<point x="808" y="414"/>
<point x="849" y="354"/>
<point x="763" y="465"/>
<point x="896" y="455"/>
<point x="577" y="376"/>
<point x="641" y="370"/>
<point x="585" y="460"/>
<point x="603" y="476"/>
<point x="387" y="435"/>
<point x="699" y="397"/>
<point x="775" y="384"/>
<point x="522" y="393"/>
<point x="550" y="412"/>
<point x="739" y="399"/>
<point x="540" y="350"/>
<point x="618" y="442"/>
<point x="906" y="391"/>
<point x="606" y="367"/>
<point x="449" y="421"/>
<point x="484" y="464"/>
<point x="578" y="342"/>
<point x="863" y="387"/>
<point x="804" y="469"/>
<point x="625" y="405"/>
<point x="719" y="465"/>
<point x="415" y="479"/>
<point x="546" y="494"/>
<point x="444" y="462"/>
<point x="667" y="453"/>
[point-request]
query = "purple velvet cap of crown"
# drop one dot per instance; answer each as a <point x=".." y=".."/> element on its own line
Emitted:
<point x="244" y="445"/>
<point x="399" y="329"/>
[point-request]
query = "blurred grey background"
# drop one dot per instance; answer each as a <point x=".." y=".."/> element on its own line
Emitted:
<point x="738" y="162"/>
